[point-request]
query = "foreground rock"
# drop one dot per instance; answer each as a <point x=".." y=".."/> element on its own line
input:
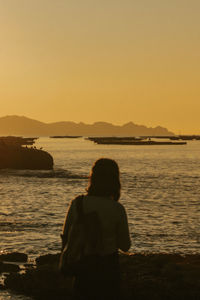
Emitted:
<point x="14" y="156"/>
<point x="9" y="262"/>
<point x="155" y="276"/>
<point x="8" y="268"/>
<point x="14" y="257"/>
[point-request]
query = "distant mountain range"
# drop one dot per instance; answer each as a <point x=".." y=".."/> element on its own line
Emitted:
<point x="20" y="125"/>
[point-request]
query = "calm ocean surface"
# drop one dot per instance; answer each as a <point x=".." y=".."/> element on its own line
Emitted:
<point x="160" y="191"/>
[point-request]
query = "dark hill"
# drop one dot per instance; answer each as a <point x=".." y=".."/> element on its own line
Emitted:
<point x="20" y="125"/>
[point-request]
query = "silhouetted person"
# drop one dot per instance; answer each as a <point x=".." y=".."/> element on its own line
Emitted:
<point x="101" y="278"/>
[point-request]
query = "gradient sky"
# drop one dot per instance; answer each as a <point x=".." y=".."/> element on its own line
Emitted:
<point x="108" y="60"/>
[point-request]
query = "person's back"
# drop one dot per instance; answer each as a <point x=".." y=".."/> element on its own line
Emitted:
<point x="101" y="279"/>
<point x="113" y="220"/>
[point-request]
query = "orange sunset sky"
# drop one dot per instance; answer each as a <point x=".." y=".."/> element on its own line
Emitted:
<point x="108" y="60"/>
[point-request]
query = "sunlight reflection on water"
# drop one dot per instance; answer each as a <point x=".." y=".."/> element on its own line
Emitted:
<point x="160" y="190"/>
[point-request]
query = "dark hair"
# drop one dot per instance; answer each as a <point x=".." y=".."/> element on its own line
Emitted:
<point x="104" y="179"/>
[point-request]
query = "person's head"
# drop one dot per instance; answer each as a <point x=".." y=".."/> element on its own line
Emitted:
<point x="104" y="179"/>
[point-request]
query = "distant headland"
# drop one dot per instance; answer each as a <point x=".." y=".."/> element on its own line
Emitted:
<point x="20" y="125"/>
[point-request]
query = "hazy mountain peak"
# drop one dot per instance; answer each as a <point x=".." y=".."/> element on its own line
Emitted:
<point x="21" y="125"/>
<point x="19" y="119"/>
<point x="99" y="123"/>
<point x="129" y="124"/>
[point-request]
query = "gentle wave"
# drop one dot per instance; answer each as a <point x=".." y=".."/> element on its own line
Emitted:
<point x="59" y="173"/>
<point x="21" y="226"/>
<point x="160" y="191"/>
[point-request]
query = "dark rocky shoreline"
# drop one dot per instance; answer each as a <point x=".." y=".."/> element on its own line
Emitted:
<point x="144" y="276"/>
<point x="13" y="154"/>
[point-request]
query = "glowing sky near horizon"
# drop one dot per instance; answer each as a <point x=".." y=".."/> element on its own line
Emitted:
<point x="114" y="61"/>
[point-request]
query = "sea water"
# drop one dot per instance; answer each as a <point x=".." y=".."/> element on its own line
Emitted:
<point x="160" y="191"/>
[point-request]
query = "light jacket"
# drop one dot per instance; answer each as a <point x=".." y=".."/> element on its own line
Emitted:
<point x="112" y="214"/>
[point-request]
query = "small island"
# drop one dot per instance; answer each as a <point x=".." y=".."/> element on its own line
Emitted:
<point x="19" y="153"/>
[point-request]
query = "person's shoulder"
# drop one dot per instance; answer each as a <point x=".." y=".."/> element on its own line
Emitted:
<point x="77" y="198"/>
<point x="119" y="205"/>
<point x="72" y="203"/>
<point x="120" y="208"/>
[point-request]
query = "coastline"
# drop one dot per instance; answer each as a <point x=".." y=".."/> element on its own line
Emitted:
<point x="143" y="276"/>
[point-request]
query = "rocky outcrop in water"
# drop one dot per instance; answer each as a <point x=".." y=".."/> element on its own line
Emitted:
<point x="16" y="154"/>
<point x="152" y="276"/>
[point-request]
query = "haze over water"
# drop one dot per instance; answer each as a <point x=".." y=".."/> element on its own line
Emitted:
<point x="160" y="190"/>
